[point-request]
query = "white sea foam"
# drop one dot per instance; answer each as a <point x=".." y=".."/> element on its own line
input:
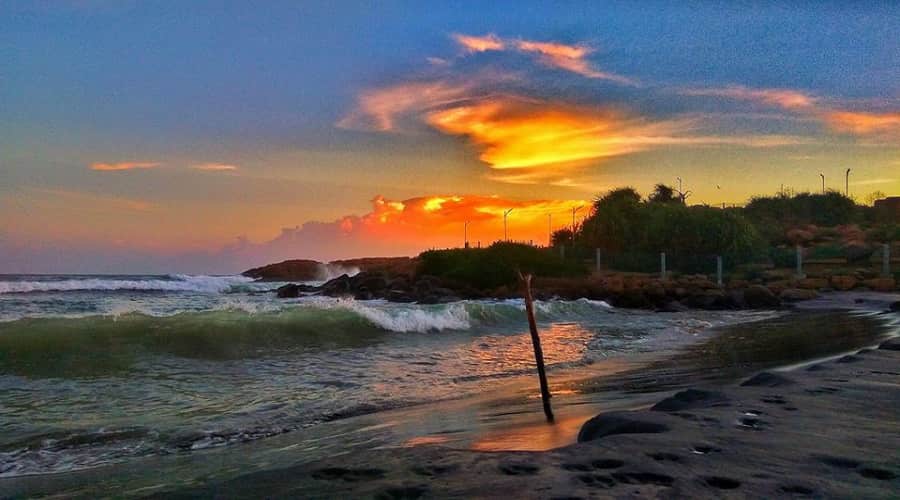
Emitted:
<point x="401" y="318"/>
<point x="175" y="283"/>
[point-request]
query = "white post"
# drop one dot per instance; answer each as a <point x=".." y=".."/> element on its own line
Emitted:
<point x="799" y="261"/>
<point x="598" y="259"/>
<point x="662" y="265"/>
<point x="886" y="260"/>
<point x="719" y="270"/>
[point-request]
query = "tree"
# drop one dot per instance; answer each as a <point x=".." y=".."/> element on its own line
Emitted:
<point x="663" y="194"/>
<point x="873" y="196"/>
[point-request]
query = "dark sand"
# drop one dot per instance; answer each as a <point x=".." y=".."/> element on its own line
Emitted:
<point x="827" y="430"/>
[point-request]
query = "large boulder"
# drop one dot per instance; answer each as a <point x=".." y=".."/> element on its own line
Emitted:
<point x="691" y="399"/>
<point x="881" y="284"/>
<point x="843" y="282"/>
<point x="858" y="252"/>
<point x="337" y="287"/>
<point x="812" y="283"/>
<point x="760" y="297"/>
<point x="288" y="270"/>
<point x="292" y="290"/>
<point x="797" y="294"/>
<point x="608" y="424"/>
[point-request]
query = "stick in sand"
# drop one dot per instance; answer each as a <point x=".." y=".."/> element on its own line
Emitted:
<point x="536" y="342"/>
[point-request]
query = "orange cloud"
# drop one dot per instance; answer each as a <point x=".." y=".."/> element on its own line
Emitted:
<point x="215" y="167"/>
<point x="128" y="165"/>
<point x="783" y="98"/>
<point x="378" y="109"/>
<point x="861" y="123"/>
<point x="438" y="220"/>
<point x="553" y="54"/>
<point x="567" y="57"/>
<point x="479" y="43"/>
<point x="407" y="227"/>
<point x="518" y="133"/>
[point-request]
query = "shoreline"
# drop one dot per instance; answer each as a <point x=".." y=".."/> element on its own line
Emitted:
<point x="839" y="417"/>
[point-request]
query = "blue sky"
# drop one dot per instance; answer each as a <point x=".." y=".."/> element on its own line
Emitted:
<point x="266" y="90"/>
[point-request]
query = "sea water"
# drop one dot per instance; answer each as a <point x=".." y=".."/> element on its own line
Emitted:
<point x="100" y="370"/>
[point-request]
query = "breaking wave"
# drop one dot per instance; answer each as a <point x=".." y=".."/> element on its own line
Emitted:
<point x="169" y="283"/>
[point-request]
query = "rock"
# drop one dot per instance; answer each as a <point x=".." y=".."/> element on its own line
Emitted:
<point x="337" y="287"/>
<point x="895" y="306"/>
<point x="674" y="306"/>
<point x="843" y="283"/>
<point x="371" y="282"/>
<point x="812" y="283"/>
<point x="857" y="252"/>
<point x="289" y="270"/>
<point x="797" y="294"/>
<point x="881" y="284"/>
<point x="890" y="344"/>
<point x="760" y="297"/>
<point x="631" y="299"/>
<point x="691" y="399"/>
<point x="609" y="424"/>
<point x="767" y="379"/>
<point x="291" y="290"/>
<point x="777" y="286"/>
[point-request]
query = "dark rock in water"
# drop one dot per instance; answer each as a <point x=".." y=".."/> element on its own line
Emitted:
<point x="292" y="290"/>
<point x="767" y="379"/>
<point x="289" y="270"/>
<point x="609" y="424"/>
<point x="691" y="399"/>
<point x="797" y="294"/>
<point x="338" y="286"/>
<point x="372" y="282"/>
<point x="632" y="299"/>
<point x="760" y="297"/>
<point x="895" y="306"/>
<point x="890" y="344"/>
<point x="674" y="306"/>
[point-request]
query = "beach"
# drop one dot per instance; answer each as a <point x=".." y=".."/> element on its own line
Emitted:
<point x="826" y="430"/>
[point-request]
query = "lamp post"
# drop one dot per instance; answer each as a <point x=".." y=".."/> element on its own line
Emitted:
<point x="847" y="183"/>
<point x="549" y="230"/>
<point x="466" y="234"/>
<point x="823" y="182"/>
<point x="505" y="215"/>
<point x="574" y="211"/>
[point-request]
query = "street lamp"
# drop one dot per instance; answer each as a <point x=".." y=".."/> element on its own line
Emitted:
<point x="505" y="234"/>
<point x="823" y="182"/>
<point x="847" y="183"/>
<point x="574" y="211"/>
<point x="466" y="234"/>
<point x="549" y="230"/>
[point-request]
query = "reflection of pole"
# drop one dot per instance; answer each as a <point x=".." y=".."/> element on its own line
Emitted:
<point x="536" y="342"/>
<point x="466" y="234"/>
<point x="719" y="270"/>
<point x="505" y="215"/>
<point x="823" y="182"/>
<point x="847" y="183"/>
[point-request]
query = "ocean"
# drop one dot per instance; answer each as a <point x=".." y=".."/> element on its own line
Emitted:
<point x="106" y="371"/>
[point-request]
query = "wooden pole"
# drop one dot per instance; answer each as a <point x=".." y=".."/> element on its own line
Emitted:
<point x="536" y="342"/>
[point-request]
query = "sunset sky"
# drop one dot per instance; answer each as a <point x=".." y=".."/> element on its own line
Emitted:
<point x="211" y="137"/>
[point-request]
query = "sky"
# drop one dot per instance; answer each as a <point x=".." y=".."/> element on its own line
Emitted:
<point x="210" y="137"/>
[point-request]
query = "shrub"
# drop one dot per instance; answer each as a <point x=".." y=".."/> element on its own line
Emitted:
<point x="496" y="265"/>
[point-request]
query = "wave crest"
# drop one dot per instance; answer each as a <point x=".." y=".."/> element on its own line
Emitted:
<point x="170" y="283"/>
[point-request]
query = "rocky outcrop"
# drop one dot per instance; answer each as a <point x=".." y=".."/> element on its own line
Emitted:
<point x="289" y="270"/>
<point x="291" y="291"/>
<point x="760" y="297"/>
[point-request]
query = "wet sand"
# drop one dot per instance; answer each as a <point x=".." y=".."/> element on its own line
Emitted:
<point x="829" y="429"/>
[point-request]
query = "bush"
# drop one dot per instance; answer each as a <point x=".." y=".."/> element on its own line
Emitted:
<point x="496" y="265"/>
